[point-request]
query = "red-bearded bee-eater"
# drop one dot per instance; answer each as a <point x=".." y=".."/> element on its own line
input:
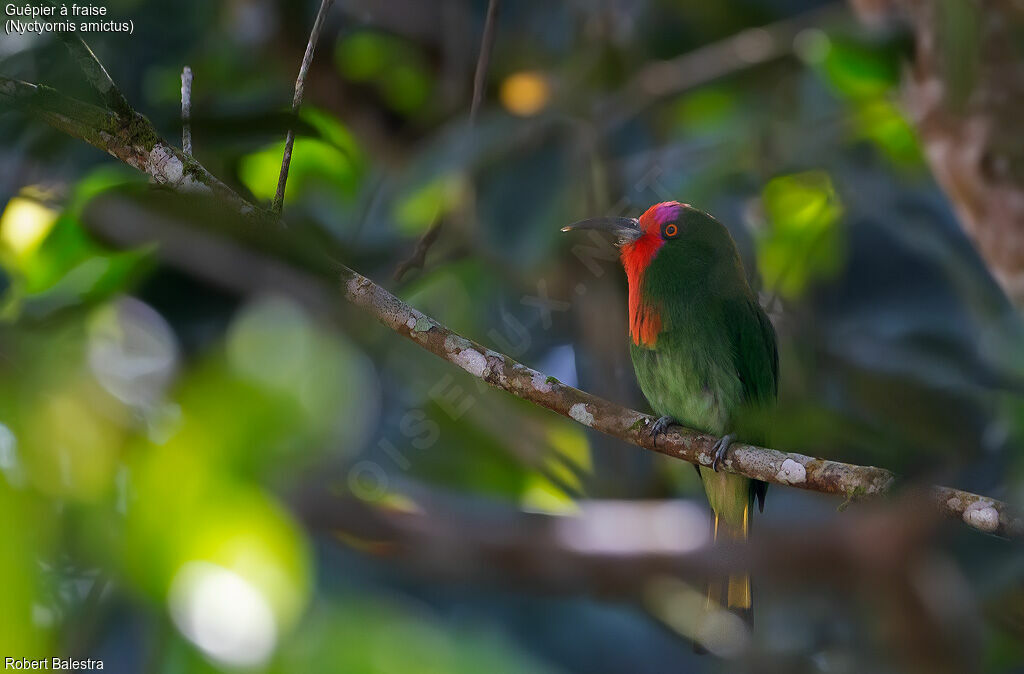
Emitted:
<point x="704" y="352"/>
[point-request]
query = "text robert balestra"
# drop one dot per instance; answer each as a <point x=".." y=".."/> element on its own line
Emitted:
<point x="58" y="664"/>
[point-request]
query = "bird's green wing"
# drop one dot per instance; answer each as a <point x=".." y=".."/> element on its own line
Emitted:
<point x="755" y="353"/>
<point x="756" y="359"/>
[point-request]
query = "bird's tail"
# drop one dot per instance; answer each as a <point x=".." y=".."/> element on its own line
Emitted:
<point x="732" y="591"/>
<point x="729" y="496"/>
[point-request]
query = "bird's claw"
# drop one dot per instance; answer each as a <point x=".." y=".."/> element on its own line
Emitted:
<point x="720" y="449"/>
<point x="660" y="426"/>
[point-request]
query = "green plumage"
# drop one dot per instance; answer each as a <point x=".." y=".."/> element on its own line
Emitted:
<point x="714" y="364"/>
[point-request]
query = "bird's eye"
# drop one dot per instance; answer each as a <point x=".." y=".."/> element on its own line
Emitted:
<point x="670" y="230"/>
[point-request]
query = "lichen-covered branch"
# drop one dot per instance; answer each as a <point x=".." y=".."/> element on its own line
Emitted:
<point x="131" y="139"/>
<point x="136" y="143"/>
<point x="768" y="465"/>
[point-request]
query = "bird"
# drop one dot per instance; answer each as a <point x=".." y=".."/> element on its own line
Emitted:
<point x="704" y="352"/>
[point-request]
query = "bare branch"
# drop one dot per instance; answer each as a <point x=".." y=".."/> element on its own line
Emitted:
<point x="300" y="89"/>
<point x="137" y="144"/>
<point x="186" y="110"/>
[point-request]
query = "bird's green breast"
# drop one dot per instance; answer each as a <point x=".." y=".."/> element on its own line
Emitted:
<point x="689" y="376"/>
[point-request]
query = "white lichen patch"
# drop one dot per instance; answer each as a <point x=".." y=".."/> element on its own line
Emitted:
<point x="411" y="323"/>
<point x="579" y="413"/>
<point x="164" y="166"/>
<point x="540" y="383"/>
<point x="471" y="360"/>
<point x="982" y="515"/>
<point x="791" y="472"/>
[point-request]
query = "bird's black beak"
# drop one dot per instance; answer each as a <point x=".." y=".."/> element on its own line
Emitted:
<point x="626" y="230"/>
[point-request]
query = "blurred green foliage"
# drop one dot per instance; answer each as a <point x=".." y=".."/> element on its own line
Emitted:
<point x="392" y="66"/>
<point x="331" y="163"/>
<point x="803" y="238"/>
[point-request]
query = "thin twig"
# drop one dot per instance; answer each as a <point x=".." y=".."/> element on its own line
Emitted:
<point x="484" y="58"/>
<point x="186" y="110"/>
<point x="425" y="242"/>
<point x="300" y="89"/>
<point x="496" y="369"/>
<point x="97" y="75"/>
<point x="419" y="255"/>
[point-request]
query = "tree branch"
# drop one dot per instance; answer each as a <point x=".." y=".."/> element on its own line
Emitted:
<point x="135" y="142"/>
<point x="759" y="463"/>
<point x="300" y="89"/>
<point x="132" y="139"/>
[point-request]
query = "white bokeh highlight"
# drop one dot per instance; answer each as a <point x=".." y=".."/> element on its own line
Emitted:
<point x="223" y="614"/>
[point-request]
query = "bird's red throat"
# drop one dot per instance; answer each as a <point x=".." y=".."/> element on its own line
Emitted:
<point x="644" y="317"/>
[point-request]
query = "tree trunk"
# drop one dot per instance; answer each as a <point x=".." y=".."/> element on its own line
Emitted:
<point x="964" y="92"/>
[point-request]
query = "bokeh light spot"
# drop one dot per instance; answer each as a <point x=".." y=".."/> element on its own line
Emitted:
<point x="525" y="93"/>
<point x="24" y="225"/>
<point x="223" y="614"/>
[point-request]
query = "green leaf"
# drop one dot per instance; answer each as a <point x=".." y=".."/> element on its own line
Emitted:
<point x="93" y="279"/>
<point x="332" y="162"/>
<point x="802" y="241"/>
<point x="880" y="122"/>
<point x="708" y="110"/>
<point x="857" y="71"/>
<point x="421" y="207"/>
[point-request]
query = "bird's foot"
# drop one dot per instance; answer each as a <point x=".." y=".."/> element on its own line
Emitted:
<point x="660" y="426"/>
<point x="721" y="448"/>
